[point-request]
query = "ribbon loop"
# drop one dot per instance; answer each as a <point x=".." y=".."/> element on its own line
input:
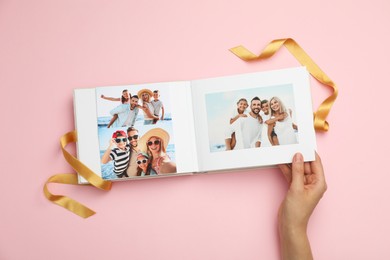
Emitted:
<point x="79" y="167"/>
<point x="83" y="170"/>
<point x="320" y="123"/>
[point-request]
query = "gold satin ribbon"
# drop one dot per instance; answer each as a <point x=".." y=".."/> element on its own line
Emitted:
<point x="320" y="123"/>
<point x="84" y="171"/>
<point x="95" y="180"/>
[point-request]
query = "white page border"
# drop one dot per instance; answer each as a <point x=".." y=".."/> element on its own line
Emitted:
<point x="255" y="157"/>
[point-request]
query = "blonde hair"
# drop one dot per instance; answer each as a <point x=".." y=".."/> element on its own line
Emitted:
<point x="282" y="107"/>
<point x="162" y="147"/>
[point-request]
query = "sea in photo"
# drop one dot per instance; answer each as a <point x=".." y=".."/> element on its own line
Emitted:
<point x="107" y="169"/>
<point x="105" y="133"/>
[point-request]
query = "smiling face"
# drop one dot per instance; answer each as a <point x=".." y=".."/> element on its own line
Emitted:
<point x="265" y="108"/>
<point x="133" y="138"/>
<point x="121" y="142"/>
<point x="241" y="106"/>
<point x="275" y="106"/>
<point x="154" y="144"/>
<point x="145" y="97"/>
<point x="156" y="94"/>
<point x="142" y="162"/>
<point x="125" y="94"/>
<point x="255" y="106"/>
<point x="133" y="102"/>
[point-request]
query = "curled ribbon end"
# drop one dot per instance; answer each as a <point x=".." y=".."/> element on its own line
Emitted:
<point x="242" y="53"/>
<point x="322" y="126"/>
<point x="64" y="201"/>
<point x="320" y="123"/>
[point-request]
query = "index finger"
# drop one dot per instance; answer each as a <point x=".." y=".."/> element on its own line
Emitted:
<point x="286" y="170"/>
<point x="317" y="168"/>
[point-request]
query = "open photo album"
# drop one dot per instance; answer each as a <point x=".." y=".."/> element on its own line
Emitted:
<point x="195" y="127"/>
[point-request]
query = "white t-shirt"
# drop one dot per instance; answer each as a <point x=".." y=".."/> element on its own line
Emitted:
<point x="151" y="109"/>
<point x="234" y="113"/>
<point x="157" y="105"/>
<point x="248" y="132"/>
<point x="131" y="117"/>
<point x="122" y="111"/>
<point x="264" y="134"/>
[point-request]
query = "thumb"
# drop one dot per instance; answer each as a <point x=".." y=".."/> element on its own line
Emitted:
<point x="297" y="172"/>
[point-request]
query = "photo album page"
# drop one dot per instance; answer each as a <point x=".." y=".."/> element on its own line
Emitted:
<point x="136" y="131"/>
<point x="179" y="128"/>
<point x="253" y="120"/>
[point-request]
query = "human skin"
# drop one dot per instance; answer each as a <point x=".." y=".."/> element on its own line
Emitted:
<point x="133" y="142"/>
<point x="125" y="94"/>
<point x="307" y="186"/>
<point x="167" y="166"/>
<point x="146" y="98"/>
<point x="143" y="166"/>
<point x="255" y="110"/>
<point x="265" y="108"/>
<point x="111" y="145"/>
<point x="241" y="106"/>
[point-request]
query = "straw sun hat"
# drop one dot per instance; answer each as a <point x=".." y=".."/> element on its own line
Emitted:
<point x="145" y="90"/>
<point x="155" y="132"/>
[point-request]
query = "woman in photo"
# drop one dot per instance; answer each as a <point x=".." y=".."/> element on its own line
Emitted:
<point x="154" y="143"/>
<point x="144" y="165"/>
<point x="282" y="124"/>
<point x="147" y="106"/>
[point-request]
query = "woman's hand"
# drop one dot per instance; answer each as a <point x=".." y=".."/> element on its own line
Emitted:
<point x="307" y="186"/>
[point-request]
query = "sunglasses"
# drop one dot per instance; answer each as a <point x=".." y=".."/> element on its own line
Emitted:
<point x="156" y="142"/>
<point x="135" y="137"/>
<point x="118" y="140"/>
<point x="143" y="161"/>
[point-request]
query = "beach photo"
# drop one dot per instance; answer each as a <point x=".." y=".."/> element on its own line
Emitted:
<point x="124" y="106"/>
<point x="135" y="131"/>
<point x="251" y="118"/>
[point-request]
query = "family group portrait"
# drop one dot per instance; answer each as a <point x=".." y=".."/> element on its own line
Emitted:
<point x="135" y="132"/>
<point x="251" y="118"/>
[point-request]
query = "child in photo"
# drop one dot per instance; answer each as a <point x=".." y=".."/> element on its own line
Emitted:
<point x="124" y="99"/>
<point x="157" y="105"/>
<point x="265" y="113"/>
<point x="239" y="111"/>
<point x="155" y="143"/>
<point x="144" y="165"/>
<point x="118" y="151"/>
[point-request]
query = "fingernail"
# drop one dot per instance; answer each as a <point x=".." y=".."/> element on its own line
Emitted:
<point x="298" y="157"/>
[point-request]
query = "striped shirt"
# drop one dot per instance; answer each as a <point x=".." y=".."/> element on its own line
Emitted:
<point x="121" y="159"/>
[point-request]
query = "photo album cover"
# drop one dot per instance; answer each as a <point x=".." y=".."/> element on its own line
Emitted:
<point x="189" y="127"/>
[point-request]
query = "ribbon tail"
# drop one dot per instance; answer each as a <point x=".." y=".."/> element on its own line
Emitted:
<point x="64" y="201"/>
<point x="95" y="180"/>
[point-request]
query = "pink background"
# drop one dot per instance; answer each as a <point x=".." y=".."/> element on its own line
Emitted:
<point x="48" y="48"/>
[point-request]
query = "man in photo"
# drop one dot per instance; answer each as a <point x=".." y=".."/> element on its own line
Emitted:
<point x="132" y="136"/>
<point x="126" y="114"/>
<point x="133" y="112"/>
<point x="247" y="129"/>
